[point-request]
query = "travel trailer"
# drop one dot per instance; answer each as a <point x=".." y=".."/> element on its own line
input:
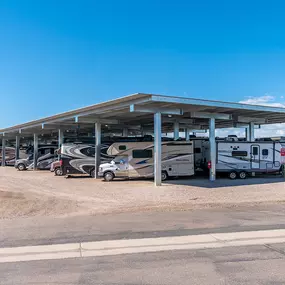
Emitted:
<point x="136" y="159"/>
<point x="46" y="155"/>
<point x="238" y="158"/>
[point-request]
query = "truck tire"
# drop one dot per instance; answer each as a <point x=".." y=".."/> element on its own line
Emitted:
<point x="242" y="175"/>
<point x="164" y="175"/>
<point x="233" y="175"/>
<point x="109" y="176"/>
<point x="21" y="167"/>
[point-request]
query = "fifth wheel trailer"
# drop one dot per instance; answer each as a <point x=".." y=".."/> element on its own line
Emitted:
<point x="238" y="158"/>
<point x="136" y="159"/>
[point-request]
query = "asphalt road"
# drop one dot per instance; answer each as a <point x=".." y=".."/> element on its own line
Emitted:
<point x="41" y="231"/>
<point x="234" y="265"/>
<point x="252" y="264"/>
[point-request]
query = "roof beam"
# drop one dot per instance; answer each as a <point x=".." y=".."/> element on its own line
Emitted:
<point x="241" y="125"/>
<point x="206" y="115"/>
<point x="180" y="121"/>
<point x="97" y="120"/>
<point x="243" y="119"/>
<point x="166" y="111"/>
<point x="216" y="104"/>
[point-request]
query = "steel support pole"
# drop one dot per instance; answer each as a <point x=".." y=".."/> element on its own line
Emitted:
<point x="97" y="148"/>
<point x="125" y="132"/>
<point x="176" y="131"/>
<point x="247" y="136"/>
<point x="157" y="149"/>
<point x="142" y="131"/>
<point x="251" y="132"/>
<point x="187" y="134"/>
<point x="3" y="162"/>
<point x="60" y="138"/>
<point x="17" y="148"/>
<point x="36" y="146"/>
<point x="212" y="140"/>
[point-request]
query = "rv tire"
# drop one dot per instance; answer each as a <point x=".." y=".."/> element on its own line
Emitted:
<point x="242" y="175"/>
<point x="21" y="167"/>
<point x="164" y="176"/>
<point x="58" y="172"/>
<point x="233" y="175"/>
<point x="109" y="176"/>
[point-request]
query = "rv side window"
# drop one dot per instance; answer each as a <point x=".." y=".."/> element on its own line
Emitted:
<point x="122" y="147"/>
<point x="52" y="151"/>
<point x="197" y="150"/>
<point x="142" y="153"/>
<point x="239" y="153"/>
<point x="265" y="152"/>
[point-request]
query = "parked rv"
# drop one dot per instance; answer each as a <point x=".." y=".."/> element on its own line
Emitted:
<point x="238" y="158"/>
<point x="10" y="155"/>
<point x="79" y="158"/>
<point x="136" y="159"/>
<point x="46" y="155"/>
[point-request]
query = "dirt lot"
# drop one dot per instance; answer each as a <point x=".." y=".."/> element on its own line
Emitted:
<point x="43" y="194"/>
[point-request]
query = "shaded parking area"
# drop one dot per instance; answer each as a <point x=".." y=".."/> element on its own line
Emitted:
<point x="40" y="193"/>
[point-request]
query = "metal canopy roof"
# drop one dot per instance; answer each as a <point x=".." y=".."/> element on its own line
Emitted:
<point x="117" y="114"/>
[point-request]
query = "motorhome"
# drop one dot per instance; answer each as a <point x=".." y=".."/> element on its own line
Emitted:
<point x="136" y="159"/>
<point x="46" y="155"/>
<point x="10" y="155"/>
<point x="240" y="158"/>
<point x="79" y="158"/>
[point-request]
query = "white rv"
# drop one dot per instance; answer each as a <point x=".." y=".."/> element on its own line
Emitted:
<point x="239" y="158"/>
<point x="136" y="159"/>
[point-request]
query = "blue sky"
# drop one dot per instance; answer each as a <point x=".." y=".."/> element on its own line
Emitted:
<point x="60" y="55"/>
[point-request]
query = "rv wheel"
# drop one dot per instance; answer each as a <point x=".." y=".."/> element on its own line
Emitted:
<point x="242" y="175"/>
<point x="21" y="167"/>
<point x="109" y="176"/>
<point x="58" y="172"/>
<point x="233" y="175"/>
<point x="164" y="175"/>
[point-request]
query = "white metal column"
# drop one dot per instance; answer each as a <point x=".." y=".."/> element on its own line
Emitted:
<point x="157" y="149"/>
<point x="212" y="140"/>
<point x="187" y="134"/>
<point x="176" y="131"/>
<point x="60" y="137"/>
<point x="17" y="146"/>
<point x="3" y="163"/>
<point x="247" y="137"/>
<point x="251" y="132"/>
<point x="97" y="148"/>
<point x="36" y="146"/>
<point x="125" y="132"/>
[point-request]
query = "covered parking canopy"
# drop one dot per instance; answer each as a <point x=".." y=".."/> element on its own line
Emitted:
<point x="149" y="113"/>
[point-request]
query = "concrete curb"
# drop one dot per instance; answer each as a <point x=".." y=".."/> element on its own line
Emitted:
<point x="116" y="247"/>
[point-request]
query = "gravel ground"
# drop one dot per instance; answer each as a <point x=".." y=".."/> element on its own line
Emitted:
<point x="43" y="194"/>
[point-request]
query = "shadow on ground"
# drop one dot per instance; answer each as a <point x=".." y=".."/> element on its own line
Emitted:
<point x="225" y="182"/>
